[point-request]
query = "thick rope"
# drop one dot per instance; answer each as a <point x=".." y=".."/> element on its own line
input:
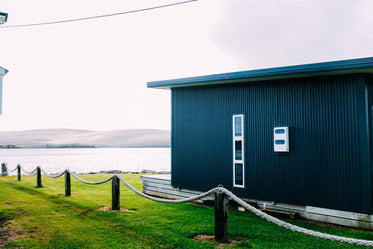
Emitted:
<point x="193" y="198"/>
<point x="256" y="212"/>
<point x="30" y="173"/>
<point x="56" y="176"/>
<point x="88" y="182"/>
<point x="11" y="169"/>
<point x="244" y="204"/>
<point x="294" y="227"/>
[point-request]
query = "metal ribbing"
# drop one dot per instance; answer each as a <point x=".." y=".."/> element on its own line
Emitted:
<point x="325" y="161"/>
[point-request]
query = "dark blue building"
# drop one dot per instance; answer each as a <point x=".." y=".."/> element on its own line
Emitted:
<point x="299" y="135"/>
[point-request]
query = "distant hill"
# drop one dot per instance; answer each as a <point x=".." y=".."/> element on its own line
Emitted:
<point x="69" y="138"/>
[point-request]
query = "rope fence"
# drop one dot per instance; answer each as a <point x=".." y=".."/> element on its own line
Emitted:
<point x="221" y="204"/>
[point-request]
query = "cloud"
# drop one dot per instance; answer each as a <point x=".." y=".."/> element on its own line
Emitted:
<point x="275" y="33"/>
<point x="93" y="74"/>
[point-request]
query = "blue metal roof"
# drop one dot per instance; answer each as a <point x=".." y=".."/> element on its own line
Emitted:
<point x="363" y="65"/>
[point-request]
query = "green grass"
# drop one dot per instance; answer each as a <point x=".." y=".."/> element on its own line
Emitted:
<point x="45" y="218"/>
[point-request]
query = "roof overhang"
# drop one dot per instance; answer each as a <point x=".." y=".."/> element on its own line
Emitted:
<point x="3" y="71"/>
<point x="354" y="66"/>
<point x="3" y="17"/>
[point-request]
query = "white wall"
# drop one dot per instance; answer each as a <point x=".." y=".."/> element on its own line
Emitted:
<point x="2" y="73"/>
<point x="1" y="93"/>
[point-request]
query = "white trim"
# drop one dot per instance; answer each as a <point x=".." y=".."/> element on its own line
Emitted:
<point x="242" y="139"/>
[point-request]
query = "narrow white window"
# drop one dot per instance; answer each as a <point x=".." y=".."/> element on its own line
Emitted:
<point x="238" y="151"/>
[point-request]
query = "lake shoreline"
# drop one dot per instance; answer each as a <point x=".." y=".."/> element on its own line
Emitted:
<point x="144" y="171"/>
<point x="90" y="160"/>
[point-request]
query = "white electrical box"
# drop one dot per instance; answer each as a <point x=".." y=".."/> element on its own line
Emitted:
<point x="281" y="139"/>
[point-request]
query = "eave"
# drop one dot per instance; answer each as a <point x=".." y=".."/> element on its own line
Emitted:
<point x="354" y="66"/>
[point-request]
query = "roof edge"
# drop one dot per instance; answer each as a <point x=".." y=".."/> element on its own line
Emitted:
<point x="5" y="71"/>
<point x="303" y="70"/>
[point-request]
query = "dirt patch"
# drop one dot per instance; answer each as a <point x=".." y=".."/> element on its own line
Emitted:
<point x="211" y="238"/>
<point x="8" y="233"/>
<point x="107" y="208"/>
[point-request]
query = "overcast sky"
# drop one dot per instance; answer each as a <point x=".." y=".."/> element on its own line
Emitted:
<point x="93" y="74"/>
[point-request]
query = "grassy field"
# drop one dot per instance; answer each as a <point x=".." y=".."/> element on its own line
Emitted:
<point x="44" y="218"/>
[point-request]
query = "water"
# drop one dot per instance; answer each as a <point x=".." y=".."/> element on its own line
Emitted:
<point x="88" y="160"/>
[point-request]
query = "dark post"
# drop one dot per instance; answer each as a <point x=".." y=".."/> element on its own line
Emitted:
<point x="115" y="193"/>
<point x="38" y="177"/>
<point x="19" y="172"/>
<point x="221" y="216"/>
<point x="67" y="184"/>
<point x="4" y="170"/>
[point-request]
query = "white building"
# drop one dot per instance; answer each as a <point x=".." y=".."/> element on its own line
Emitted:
<point x="3" y="71"/>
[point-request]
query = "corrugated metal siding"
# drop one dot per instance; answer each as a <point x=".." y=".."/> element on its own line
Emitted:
<point x="368" y="186"/>
<point x="328" y="164"/>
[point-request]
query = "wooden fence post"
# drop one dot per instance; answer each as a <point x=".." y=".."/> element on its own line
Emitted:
<point x="38" y="177"/>
<point x="67" y="184"/>
<point x="18" y="172"/>
<point x="115" y="194"/>
<point x="221" y="216"/>
<point x="4" y="170"/>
